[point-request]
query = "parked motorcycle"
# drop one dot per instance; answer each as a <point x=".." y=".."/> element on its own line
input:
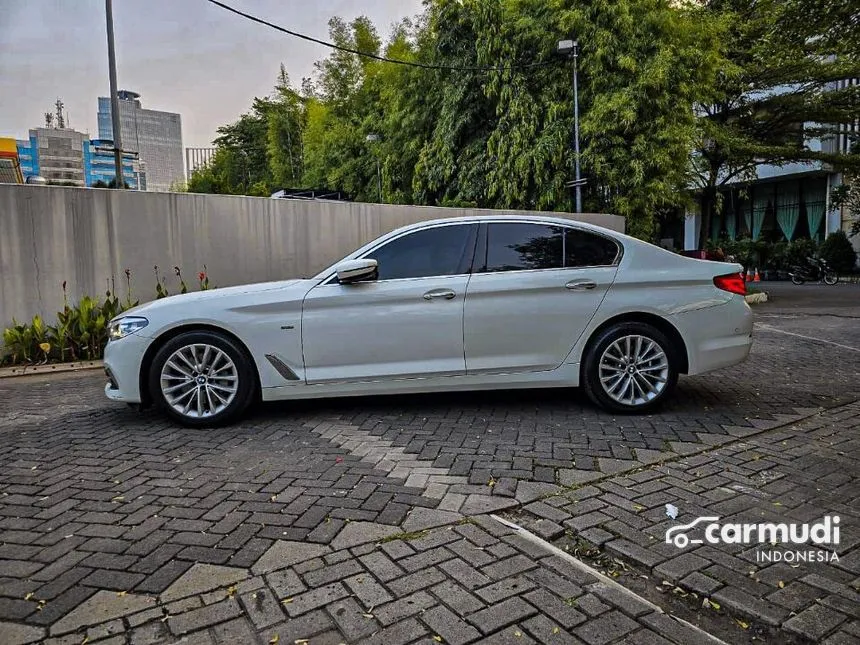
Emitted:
<point x="815" y="270"/>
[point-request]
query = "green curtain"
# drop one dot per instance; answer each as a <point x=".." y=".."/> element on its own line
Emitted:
<point x="747" y="213"/>
<point x="758" y="212"/>
<point x="731" y="218"/>
<point x="815" y="205"/>
<point x="788" y="208"/>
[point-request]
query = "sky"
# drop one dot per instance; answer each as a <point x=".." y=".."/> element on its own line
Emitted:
<point x="185" y="56"/>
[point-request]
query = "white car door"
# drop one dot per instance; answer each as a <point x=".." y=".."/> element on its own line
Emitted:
<point x="534" y="289"/>
<point x="407" y="323"/>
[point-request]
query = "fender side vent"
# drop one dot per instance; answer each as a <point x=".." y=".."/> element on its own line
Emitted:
<point x="282" y="368"/>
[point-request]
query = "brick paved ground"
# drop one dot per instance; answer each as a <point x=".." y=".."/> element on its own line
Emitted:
<point x="111" y="520"/>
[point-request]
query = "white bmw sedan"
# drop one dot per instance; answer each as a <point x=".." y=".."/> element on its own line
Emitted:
<point x="455" y="304"/>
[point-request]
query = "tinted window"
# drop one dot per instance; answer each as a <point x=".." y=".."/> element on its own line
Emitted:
<point x="444" y="250"/>
<point x="583" y="249"/>
<point x="512" y="247"/>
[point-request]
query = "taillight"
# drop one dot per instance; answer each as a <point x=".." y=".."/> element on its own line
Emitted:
<point x="731" y="282"/>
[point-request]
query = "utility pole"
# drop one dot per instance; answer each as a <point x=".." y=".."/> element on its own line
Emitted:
<point x="114" y="98"/>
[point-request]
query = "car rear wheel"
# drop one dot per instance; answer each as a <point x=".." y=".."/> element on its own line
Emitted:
<point x="630" y="368"/>
<point x="202" y="378"/>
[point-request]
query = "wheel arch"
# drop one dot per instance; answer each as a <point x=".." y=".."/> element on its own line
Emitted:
<point x="173" y="332"/>
<point x="658" y="322"/>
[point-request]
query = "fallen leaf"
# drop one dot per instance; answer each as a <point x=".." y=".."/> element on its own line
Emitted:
<point x="121" y="593"/>
<point x="555" y="630"/>
<point x="518" y="634"/>
<point x="742" y="624"/>
<point x="286" y="601"/>
<point x="337" y="460"/>
<point x="274" y="639"/>
<point x="28" y="596"/>
<point x="86" y="640"/>
<point x="368" y="615"/>
<point x="437" y="638"/>
<point x="780" y="584"/>
<point x="491" y="483"/>
<point x="231" y="591"/>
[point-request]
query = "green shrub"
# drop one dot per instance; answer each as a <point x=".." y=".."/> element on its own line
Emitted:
<point x="81" y="331"/>
<point x="838" y="252"/>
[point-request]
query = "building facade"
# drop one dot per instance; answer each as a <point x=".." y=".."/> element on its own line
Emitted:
<point x="197" y="158"/>
<point x="154" y="135"/>
<point x="784" y="202"/>
<point x="66" y="156"/>
<point x="10" y="164"/>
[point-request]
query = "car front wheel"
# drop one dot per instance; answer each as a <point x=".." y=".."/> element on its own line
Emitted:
<point x="630" y="368"/>
<point x="202" y="378"/>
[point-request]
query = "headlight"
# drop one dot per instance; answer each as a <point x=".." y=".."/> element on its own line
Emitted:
<point x="122" y="327"/>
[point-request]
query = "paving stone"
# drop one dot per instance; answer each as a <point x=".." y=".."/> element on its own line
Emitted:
<point x="381" y="566"/>
<point x="551" y="605"/>
<point x="284" y="553"/>
<point x="206" y="616"/>
<point x="105" y="630"/>
<point x="547" y="632"/>
<point x="356" y="533"/>
<point x="701" y="584"/>
<point x="404" y="607"/>
<point x="815" y="622"/>
<point x="606" y="628"/>
<point x="513" y="635"/>
<point x="465" y="574"/>
<point x="263" y="608"/>
<point x="17" y="634"/>
<point x="406" y="631"/>
<point x="316" y="598"/>
<point x="201" y="578"/>
<point x="427" y="518"/>
<point x="498" y="591"/>
<point x="415" y="581"/>
<point x="234" y="631"/>
<point x="332" y="573"/>
<point x="353" y="621"/>
<point x="285" y="583"/>
<point x="100" y="608"/>
<point x="676" y="569"/>
<point x="445" y="623"/>
<point x="369" y="592"/>
<point x="628" y="602"/>
<point x="531" y="491"/>
<point x="501" y="615"/>
<point x="478" y="504"/>
<point x="308" y="627"/>
<point x="571" y="477"/>
<point x="748" y="605"/>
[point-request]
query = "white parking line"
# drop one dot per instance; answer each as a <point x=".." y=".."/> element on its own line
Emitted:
<point x="812" y="338"/>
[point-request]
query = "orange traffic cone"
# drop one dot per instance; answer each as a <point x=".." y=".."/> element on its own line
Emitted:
<point x="757" y="277"/>
<point x="748" y="276"/>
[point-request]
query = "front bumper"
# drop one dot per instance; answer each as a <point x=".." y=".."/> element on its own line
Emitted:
<point x="122" y="361"/>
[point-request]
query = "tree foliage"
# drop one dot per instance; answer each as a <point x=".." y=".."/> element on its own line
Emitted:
<point x="657" y="79"/>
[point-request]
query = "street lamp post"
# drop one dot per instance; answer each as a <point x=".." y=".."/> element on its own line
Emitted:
<point x="571" y="49"/>
<point x="373" y="138"/>
<point x="114" y="98"/>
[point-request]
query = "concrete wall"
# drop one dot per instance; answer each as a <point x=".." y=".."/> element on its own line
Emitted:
<point x="49" y="234"/>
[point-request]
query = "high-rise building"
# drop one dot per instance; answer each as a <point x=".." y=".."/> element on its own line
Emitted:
<point x="66" y="156"/>
<point x="156" y="136"/>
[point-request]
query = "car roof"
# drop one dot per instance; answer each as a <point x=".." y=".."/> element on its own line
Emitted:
<point x="513" y="217"/>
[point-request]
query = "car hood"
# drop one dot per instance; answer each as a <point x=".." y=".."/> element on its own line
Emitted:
<point x="226" y="294"/>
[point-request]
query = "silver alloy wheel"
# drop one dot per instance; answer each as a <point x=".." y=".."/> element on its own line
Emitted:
<point x="634" y="370"/>
<point x="199" y="380"/>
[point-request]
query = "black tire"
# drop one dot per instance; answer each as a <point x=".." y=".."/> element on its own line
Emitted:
<point x="797" y="280"/>
<point x="831" y="278"/>
<point x="246" y="379"/>
<point x="590" y="374"/>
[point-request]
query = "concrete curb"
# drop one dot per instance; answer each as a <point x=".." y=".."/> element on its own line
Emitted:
<point x="51" y="368"/>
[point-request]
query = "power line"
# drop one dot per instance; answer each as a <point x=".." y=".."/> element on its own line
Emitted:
<point x="383" y="59"/>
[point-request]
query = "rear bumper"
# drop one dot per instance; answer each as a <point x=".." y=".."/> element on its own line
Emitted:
<point x="718" y="336"/>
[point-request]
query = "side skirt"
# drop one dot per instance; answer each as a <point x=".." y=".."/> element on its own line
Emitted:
<point x="566" y="375"/>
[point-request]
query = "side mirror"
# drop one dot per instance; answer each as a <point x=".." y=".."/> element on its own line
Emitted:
<point x="357" y="270"/>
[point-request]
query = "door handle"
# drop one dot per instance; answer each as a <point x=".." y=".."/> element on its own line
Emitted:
<point x="440" y="293"/>
<point x="580" y="285"/>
